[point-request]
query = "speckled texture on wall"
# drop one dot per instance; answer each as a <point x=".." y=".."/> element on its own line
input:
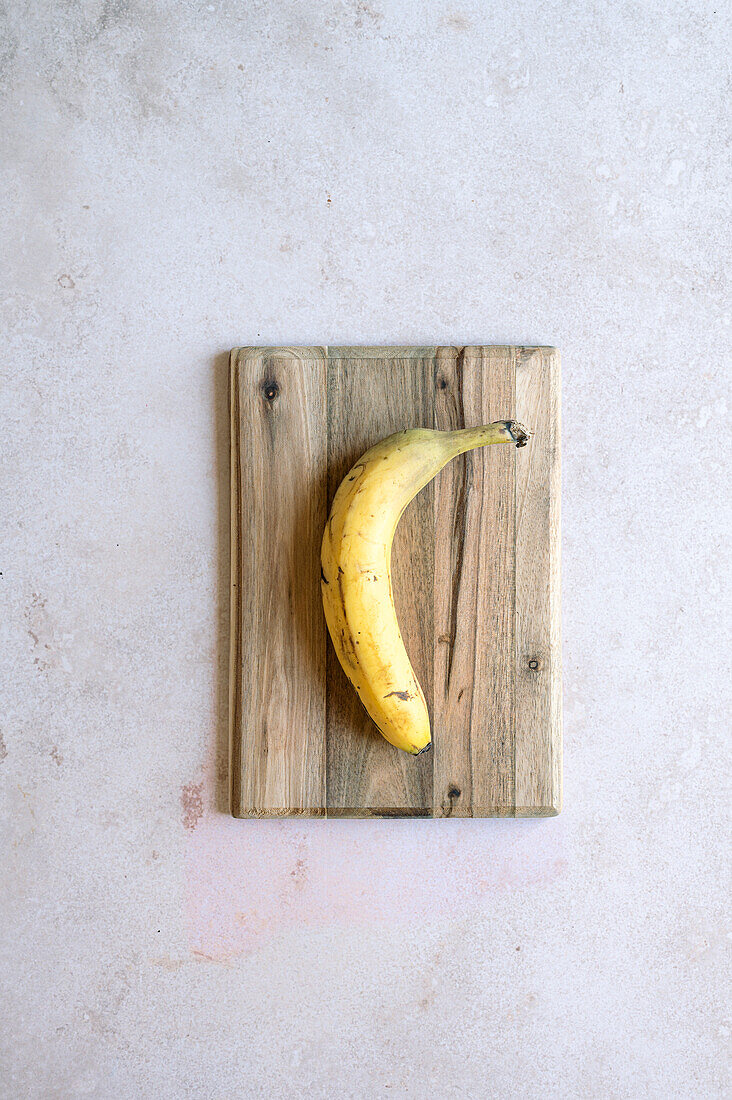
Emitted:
<point x="180" y="178"/>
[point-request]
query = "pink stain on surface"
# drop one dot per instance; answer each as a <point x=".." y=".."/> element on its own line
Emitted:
<point x="250" y="880"/>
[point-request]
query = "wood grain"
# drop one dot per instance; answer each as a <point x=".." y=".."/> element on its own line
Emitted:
<point x="277" y="674"/>
<point x="476" y="584"/>
<point x="370" y="397"/>
<point x="538" y="675"/>
<point x="474" y="594"/>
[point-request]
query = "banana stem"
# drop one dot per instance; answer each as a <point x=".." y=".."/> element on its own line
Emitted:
<point x="503" y="431"/>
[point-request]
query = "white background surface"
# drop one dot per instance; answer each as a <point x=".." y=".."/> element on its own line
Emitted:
<point x="179" y="178"/>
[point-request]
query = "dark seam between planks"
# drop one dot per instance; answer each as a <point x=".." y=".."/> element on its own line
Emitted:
<point x="515" y="593"/>
<point x="326" y="771"/>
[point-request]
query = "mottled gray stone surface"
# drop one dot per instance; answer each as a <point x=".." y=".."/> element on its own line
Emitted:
<point x="181" y="177"/>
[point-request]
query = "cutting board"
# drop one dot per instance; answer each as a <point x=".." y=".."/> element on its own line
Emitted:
<point x="476" y="585"/>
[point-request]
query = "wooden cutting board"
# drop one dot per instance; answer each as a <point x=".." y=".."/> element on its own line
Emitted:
<point x="476" y="583"/>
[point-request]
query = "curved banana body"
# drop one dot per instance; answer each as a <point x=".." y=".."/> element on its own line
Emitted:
<point x="356" y="570"/>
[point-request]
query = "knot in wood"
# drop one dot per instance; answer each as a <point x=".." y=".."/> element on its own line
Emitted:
<point x="270" y="390"/>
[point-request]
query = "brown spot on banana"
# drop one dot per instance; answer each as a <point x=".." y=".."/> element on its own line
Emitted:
<point x="347" y="641"/>
<point x="347" y="648"/>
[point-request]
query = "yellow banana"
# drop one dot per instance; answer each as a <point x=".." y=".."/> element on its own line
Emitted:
<point x="356" y="570"/>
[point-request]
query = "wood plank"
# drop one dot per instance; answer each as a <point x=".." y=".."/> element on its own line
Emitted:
<point x="456" y="517"/>
<point x="474" y="587"/>
<point x="538" y="641"/>
<point x="277" y="683"/>
<point x="369" y="397"/>
<point x="492" y="717"/>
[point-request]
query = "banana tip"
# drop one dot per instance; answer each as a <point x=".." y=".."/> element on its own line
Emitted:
<point x="426" y="747"/>
<point x="519" y="433"/>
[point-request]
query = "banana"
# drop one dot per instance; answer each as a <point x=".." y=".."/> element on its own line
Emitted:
<point x="356" y="570"/>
